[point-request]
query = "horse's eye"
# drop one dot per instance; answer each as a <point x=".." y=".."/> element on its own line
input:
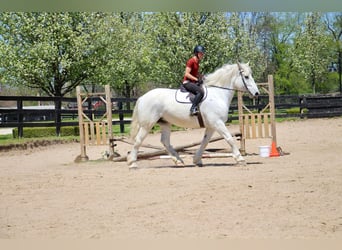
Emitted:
<point x="246" y="77"/>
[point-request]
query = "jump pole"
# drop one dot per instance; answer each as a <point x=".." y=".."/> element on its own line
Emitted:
<point x="160" y="153"/>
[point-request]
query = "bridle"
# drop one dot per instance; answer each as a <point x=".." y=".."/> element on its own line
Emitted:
<point x="242" y="78"/>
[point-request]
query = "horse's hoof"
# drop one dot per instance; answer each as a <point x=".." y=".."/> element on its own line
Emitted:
<point x="179" y="163"/>
<point x="242" y="163"/>
<point x="133" y="166"/>
<point x="198" y="164"/>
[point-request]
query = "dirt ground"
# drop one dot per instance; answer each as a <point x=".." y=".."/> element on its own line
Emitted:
<point x="44" y="194"/>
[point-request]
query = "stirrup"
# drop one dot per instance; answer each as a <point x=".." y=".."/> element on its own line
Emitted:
<point x="194" y="111"/>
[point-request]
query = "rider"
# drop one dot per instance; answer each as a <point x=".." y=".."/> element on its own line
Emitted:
<point x="192" y="79"/>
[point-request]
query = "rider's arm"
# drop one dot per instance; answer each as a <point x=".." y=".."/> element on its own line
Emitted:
<point x="188" y="75"/>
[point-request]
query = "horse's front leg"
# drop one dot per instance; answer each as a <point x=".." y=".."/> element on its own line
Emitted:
<point x="236" y="152"/>
<point x="198" y="156"/>
<point x="223" y="131"/>
<point x="165" y="140"/>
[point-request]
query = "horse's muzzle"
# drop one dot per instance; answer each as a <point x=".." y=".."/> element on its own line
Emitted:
<point x="255" y="96"/>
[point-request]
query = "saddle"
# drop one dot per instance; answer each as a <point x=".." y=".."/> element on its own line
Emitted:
<point x="184" y="96"/>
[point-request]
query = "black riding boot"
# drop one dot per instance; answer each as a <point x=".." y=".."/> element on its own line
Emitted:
<point x="194" y="108"/>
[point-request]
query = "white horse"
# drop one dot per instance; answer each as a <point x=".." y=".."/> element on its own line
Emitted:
<point x="159" y="106"/>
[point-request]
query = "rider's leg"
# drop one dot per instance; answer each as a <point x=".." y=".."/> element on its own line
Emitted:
<point x="198" y="92"/>
<point x="194" y="108"/>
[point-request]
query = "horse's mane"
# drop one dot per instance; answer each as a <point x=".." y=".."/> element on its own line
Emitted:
<point x="220" y="77"/>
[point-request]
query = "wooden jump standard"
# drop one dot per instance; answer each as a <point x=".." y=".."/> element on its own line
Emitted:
<point x="258" y="125"/>
<point x="95" y="132"/>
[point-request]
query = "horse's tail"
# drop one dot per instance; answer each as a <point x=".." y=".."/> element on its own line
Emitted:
<point x="134" y="123"/>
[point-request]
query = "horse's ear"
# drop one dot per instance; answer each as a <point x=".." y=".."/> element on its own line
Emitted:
<point x="247" y="63"/>
<point x="238" y="64"/>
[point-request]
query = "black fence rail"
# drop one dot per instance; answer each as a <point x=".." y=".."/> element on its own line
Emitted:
<point x="292" y="106"/>
<point x="62" y="111"/>
<point x="28" y="111"/>
<point x="285" y="105"/>
<point x="322" y="106"/>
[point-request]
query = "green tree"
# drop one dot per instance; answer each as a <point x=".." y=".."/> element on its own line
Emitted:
<point x="134" y="52"/>
<point x="310" y="53"/>
<point x="333" y="22"/>
<point x="243" y="43"/>
<point x="128" y="53"/>
<point x="52" y="52"/>
<point x="282" y="28"/>
<point x="174" y="37"/>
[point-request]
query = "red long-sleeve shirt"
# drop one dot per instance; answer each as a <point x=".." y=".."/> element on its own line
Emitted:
<point x="194" y="65"/>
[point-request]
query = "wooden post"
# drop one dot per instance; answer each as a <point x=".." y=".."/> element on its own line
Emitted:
<point x="272" y="108"/>
<point x="109" y="118"/>
<point x="241" y="123"/>
<point x="83" y="156"/>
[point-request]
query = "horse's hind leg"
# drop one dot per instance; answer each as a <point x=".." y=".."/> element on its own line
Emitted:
<point x="198" y="156"/>
<point x="133" y="155"/>
<point x="165" y="140"/>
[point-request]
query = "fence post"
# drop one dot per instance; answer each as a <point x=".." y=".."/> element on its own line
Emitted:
<point x="58" y="107"/>
<point x="302" y="106"/>
<point x="121" y="118"/>
<point x="20" y="117"/>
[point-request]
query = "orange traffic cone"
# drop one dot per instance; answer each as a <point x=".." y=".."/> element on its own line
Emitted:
<point x="274" y="151"/>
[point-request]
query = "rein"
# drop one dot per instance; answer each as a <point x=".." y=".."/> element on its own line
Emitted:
<point x="219" y="87"/>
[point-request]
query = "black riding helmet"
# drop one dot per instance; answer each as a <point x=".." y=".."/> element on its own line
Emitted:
<point x="198" y="49"/>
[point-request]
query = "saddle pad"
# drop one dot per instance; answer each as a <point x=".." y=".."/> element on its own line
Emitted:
<point x="184" y="96"/>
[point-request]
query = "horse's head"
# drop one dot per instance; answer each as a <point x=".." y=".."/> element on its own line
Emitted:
<point x="245" y="81"/>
